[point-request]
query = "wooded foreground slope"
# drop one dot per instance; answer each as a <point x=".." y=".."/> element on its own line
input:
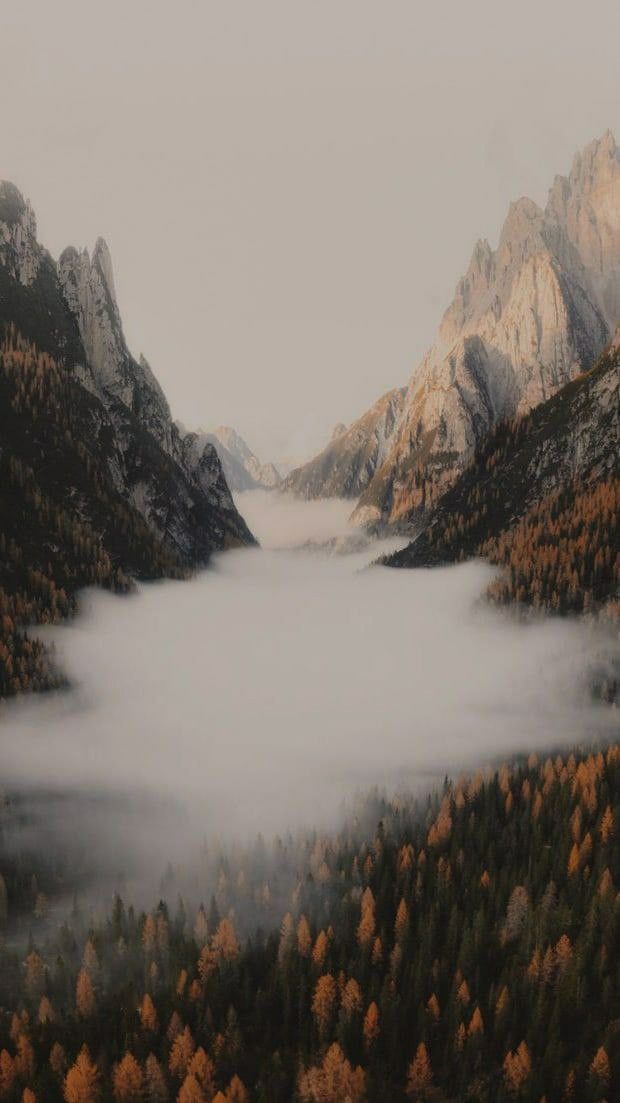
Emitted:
<point x="467" y="948"/>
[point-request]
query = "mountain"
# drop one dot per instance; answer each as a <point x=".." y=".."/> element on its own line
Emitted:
<point x="526" y="318"/>
<point x="345" y="467"/>
<point x="242" y="469"/>
<point x="541" y="497"/>
<point x="69" y="310"/>
<point x="97" y="484"/>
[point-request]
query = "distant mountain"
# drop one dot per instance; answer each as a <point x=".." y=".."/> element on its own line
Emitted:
<point x="347" y="464"/>
<point x="97" y="484"/>
<point x="541" y="497"/>
<point x="526" y="318"/>
<point x="242" y="469"/>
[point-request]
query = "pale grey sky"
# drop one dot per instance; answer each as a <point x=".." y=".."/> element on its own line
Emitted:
<point x="291" y="188"/>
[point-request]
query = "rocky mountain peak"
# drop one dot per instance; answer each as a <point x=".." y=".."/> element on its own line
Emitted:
<point x="69" y="309"/>
<point x="19" y="251"/>
<point x="586" y="203"/>
<point x="102" y="260"/>
<point x="525" y="319"/>
<point x="338" y="430"/>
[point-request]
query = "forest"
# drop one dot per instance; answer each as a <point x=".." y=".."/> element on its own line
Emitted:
<point x="461" y="946"/>
<point x="540" y="500"/>
<point x="51" y="545"/>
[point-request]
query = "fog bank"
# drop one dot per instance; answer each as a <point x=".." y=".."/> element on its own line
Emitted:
<point x="278" y="682"/>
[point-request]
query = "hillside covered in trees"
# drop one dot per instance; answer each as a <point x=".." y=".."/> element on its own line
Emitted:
<point x="97" y="482"/>
<point x="63" y="523"/>
<point x="466" y="947"/>
<point x="541" y="499"/>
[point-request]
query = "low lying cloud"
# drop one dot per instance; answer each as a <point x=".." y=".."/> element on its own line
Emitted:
<point x="278" y="682"/>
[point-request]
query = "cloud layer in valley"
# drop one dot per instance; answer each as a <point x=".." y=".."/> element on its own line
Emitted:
<point x="280" y="681"/>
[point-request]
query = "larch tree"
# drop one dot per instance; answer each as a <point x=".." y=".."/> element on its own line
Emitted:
<point x="148" y="1014"/>
<point x="24" y="1058"/>
<point x="82" y="1080"/>
<point x="371" y="1025"/>
<point x="476" y="1024"/>
<point x="224" y="942"/>
<point x="8" y="1074"/>
<point x="156" y="1089"/>
<point x="58" y="1060"/>
<point x="191" y="1092"/>
<point x="128" y="1080"/>
<point x="323" y="1002"/>
<point x="319" y="951"/>
<point x="420" y="1074"/>
<point x="236" y="1091"/>
<point x="181" y="1053"/>
<point x="600" y="1068"/>
<point x="304" y="938"/>
<point x="202" y="1068"/>
<point x="84" y="995"/>
<point x="351" y="1000"/>
<point x="517" y="1069"/>
<point x="334" y="1081"/>
<point x="45" y="1013"/>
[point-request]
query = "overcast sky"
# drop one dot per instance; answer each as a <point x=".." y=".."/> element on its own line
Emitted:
<point x="290" y="190"/>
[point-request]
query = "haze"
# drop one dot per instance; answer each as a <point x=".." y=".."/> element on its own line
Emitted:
<point x="257" y="697"/>
<point x="291" y="191"/>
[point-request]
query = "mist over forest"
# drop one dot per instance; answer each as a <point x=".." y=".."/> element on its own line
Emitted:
<point x="254" y="699"/>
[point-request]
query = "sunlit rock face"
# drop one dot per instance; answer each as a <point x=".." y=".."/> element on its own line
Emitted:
<point x="526" y="318"/>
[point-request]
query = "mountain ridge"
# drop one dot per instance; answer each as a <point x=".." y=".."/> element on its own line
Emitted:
<point x="540" y="497"/>
<point x="525" y="318"/>
<point x="69" y="310"/>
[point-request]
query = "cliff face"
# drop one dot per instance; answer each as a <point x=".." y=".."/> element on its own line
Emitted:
<point x="526" y="318"/>
<point x="70" y="310"/>
<point x="243" y="470"/>
<point x="566" y="446"/>
<point x="346" y="466"/>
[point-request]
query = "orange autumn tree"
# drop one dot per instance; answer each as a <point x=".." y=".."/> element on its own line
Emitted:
<point x="420" y="1074"/>
<point x="84" y="995"/>
<point x="148" y="1014"/>
<point x="304" y="938"/>
<point x="323" y="1002"/>
<point x="128" y="1080"/>
<point x="82" y="1080"/>
<point x="517" y="1069"/>
<point x="236" y="1091"/>
<point x="191" y="1092"/>
<point x="366" y="927"/>
<point x="183" y="1048"/>
<point x="334" y="1081"/>
<point x="371" y="1025"/>
<point x="8" y="1074"/>
<point x="155" y="1081"/>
